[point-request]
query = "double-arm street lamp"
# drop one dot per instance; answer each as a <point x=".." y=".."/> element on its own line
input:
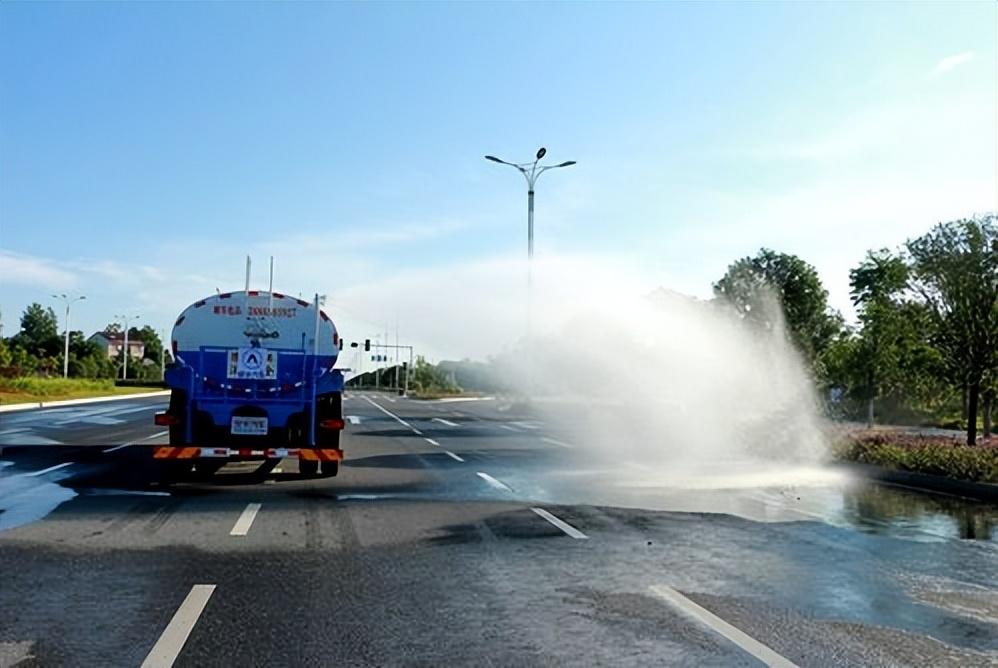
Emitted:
<point x="531" y="172"/>
<point x="125" y="319"/>
<point x="65" y="353"/>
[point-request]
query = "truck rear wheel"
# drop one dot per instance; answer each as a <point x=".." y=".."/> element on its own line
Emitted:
<point x="308" y="467"/>
<point x="330" y="469"/>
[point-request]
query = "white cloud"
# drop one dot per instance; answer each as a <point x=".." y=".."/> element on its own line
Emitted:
<point x="949" y="62"/>
<point x="17" y="269"/>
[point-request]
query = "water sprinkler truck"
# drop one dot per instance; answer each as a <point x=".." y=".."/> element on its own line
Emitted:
<point x="253" y="379"/>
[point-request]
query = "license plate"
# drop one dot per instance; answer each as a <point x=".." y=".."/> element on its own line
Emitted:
<point x="249" y="426"/>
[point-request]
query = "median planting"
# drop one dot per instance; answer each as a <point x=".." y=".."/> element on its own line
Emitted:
<point x="932" y="455"/>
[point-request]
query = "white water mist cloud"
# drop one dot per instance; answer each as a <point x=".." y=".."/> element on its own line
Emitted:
<point x="660" y="378"/>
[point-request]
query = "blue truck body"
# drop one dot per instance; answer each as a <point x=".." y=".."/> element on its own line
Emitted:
<point x="253" y="378"/>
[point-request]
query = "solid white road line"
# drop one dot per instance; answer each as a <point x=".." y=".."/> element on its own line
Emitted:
<point x="431" y="441"/>
<point x="557" y="442"/>
<point x="388" y="412"/>
<point x="743" y="640"/>
<point x="493" y="482"/>
<point x="453" y="456"/>
<point x="353" y="419"/>
<point x="564" y="526"/>
<point x="389" y="399"/>
<point x="147" y="438"/>
<point x="48" y="470"/>
<point x="167" y="648"/>
<point x="245" y="520"/>
<point x="446" y="422"/>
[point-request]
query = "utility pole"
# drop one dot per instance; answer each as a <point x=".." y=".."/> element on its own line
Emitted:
<point x="65" y="353"/>
<point x="124" y="367"/>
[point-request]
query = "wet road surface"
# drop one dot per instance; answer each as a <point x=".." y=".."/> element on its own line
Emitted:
<point x="470" y="533"/>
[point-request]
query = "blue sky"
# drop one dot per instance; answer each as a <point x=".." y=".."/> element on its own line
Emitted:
<point x="145" y="148"/>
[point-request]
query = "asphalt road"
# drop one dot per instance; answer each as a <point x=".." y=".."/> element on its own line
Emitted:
<point x="468" y="533"/>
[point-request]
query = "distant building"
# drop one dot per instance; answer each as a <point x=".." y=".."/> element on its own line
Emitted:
<point x="113" y="343"/>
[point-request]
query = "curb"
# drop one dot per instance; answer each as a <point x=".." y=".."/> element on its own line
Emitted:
<point x="977" y="491"/>
<point x="10" y="408"/>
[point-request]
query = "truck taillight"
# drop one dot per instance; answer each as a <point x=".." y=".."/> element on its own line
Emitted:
<point x="165" y="419"/>
<point x="331" y="424"/>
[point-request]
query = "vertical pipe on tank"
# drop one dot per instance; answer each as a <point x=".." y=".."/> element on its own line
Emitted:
<point x="246" y="291"/>
<point x="270" y="288"/>
<point x="315" y="373"/>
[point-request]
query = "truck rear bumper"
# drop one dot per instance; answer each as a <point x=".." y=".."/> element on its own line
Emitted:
<point x="195" y="452"/>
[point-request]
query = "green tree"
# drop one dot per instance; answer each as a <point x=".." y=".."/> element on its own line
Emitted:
<point x="88" y="359"/>
<point x="39" y="335"/>
<point x="148" y="336"/>
<point x="955" y="272"/>
<point x="751" y="283"/>
<point x="6" y="358"/>
<point x="876" y="286"/>
<point x="427" y="377"/>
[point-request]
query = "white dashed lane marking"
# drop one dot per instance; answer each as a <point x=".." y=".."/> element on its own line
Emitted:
<point x="453" y="456"/>
<point x="167" y="648"/>
<point x="493" y="482"/>
<point x="561" y="524"/>
<point x="353" y="419"/>
<point x="446" y="422"/>
<point x="245" y="520"/>
<point x="554" y="441"/>
<point x="740" y="638"/>
<point x="431" y="441"/>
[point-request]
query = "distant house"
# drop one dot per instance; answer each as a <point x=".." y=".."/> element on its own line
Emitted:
<point x="113" y="343"/>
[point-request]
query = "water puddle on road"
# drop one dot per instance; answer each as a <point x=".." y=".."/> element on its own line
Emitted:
<point x="806" y="493"/>
<point x="25" y="498"/>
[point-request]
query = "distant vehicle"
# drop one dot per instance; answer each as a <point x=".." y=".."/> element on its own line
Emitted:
<point x="253" y="379"/>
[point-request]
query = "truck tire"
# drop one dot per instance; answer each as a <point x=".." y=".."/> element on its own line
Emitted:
<point x="308" y="467"/>
<point x="330" y="469"/>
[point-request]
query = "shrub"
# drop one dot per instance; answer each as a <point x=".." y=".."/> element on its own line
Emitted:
<point x="935" y="456"/>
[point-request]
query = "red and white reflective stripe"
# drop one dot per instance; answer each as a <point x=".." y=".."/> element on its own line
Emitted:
<point x="191" y="452"/>
<point x="214" y="452"/>
<point x="270" y="453"/>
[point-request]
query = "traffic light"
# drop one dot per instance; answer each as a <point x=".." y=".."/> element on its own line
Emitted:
<point x="367" y="345"/>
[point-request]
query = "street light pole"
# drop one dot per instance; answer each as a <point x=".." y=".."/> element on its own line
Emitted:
<point x="531" y="172"/>
<point x="65" y="353"/>
<point x="124" y="367"/>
